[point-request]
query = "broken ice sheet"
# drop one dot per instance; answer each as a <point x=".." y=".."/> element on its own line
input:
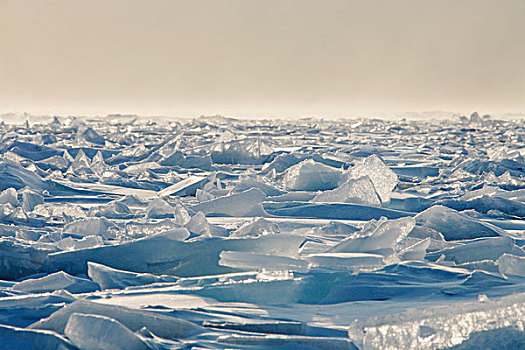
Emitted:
<point x="447" y="326"/>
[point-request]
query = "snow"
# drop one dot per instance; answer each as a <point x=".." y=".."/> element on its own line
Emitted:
<point x="221" y="233"/>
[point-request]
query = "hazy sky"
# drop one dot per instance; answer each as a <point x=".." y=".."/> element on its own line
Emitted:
<point x="258" y="58"/>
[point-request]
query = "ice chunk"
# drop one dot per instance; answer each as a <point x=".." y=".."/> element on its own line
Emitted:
<point x="186" y="187"/>
<point x="246" y="183"/>
<point x="55" y="281"/>
<point x="347" y="261"/>
<point x="509" y="264"/>
<point x="90" y="135"/>
<point x="416" y="251"/>
<point x="256" y="227"/>
<point x="159" y="208"/>
<point x="93" y="332"/>
<point x="250" y="261"/>
<point x="443" y="327"/>
<point x="359" y="191"/>
<point x="454" y="225"/>
<point x="31" y="339"/>
<point x="13" y="175"/>
<point x="383" y="236"/>
<point x="9" y="195"/>
<point x="81" y="165"/>
<point x="164" y="254"/>
<point x="161" y="325"/>
<point x="59" y="210"/>
<point x="383" y="178"/>
<point x="311" y="176"/>
<point x="19" y="260"/>
<point x="289" y="341"/>
<point x="109" y="278"/>
<point x="475" y="250"/>
<point x="247" y="151"/>
<point x="30" y="199"/>
<point x="91" y="226"/>
<point x="199" y="225"/>
<point x="139" y="230"/>
<point x="336" y="228"/>
<point x="112" y="210"/>
<point x="90" y="241"/>
<point x="239" y="204"/>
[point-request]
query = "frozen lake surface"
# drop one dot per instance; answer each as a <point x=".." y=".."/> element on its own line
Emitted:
<point x="216" y="233"/>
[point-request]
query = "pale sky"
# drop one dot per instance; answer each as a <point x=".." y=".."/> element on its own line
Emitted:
<point x="261" y="58"/>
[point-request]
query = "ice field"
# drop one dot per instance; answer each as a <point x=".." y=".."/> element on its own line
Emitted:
<point x="217" y="233"/>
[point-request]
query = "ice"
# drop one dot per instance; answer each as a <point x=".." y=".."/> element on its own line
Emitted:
<point x="383" y="178"/>
<point x="478" y="249"/>
<point x="199" y="225"/>
<point x="30" y="199"/>
<point x="509" y="264"/>
<point x="159" y="209"/>
<point x="293" y="342"/>
<point x="246" y="203"/>
<point x="186" y="187"/>
<point x="256" y="227"/>
<point x="112" y="210"/>
<point x="90" y="135"/>
<point x="55" y="281"/>
<point x="9" y="196"/>
<point x="92" y="332"/>
<point x="381" y="236"/>
<point x="91" y="226"/>
<point x="454" y="225"/>
<point x="161" y="325"/>
<point x="13" y="175"/>
<point x="254" y="261"/>
<point x="444" y="327"/>
<point x="164" y="253"/>
<point x="310" y="175"/>
<point x="346" y="261"/>
<point x="359" y="191"/>
<point x="13" y="338"/>
<point x="90" y="241"/>
<point x="217" y="233"/>
<point x="109" y="278"/>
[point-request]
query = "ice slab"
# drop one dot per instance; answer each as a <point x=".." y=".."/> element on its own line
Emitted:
<point x="476" y="250"/>
<point x="454" y="225"/>
<point x="245" y="203"/>
<point x="9" y="196"/>
<point x="255" y="261"/>
<point x="13" y="175"/>
<point x="334" y="211"/>
<point x="159" y="209"/>
<point x="283" y="341"/>
<point x="161" y="325"/>
<point x="383" y="178"/>
<point x="186" y="187"/>
<point x="91" y="226"/>
<point x="346" y="261"/>
<point x="109" y="278"/>
<point x="93" y="332"/>
<point x="256" y="227"/>
<point x="13" y="338"/>
<point x="56" y="281"/>
<point x="163" y="254"/>
<point x="383" y="236"/>
<point x="358" y="191"/>
<point x="509" y="264"/>
<point x="309" y="175"/>
<point x="444" y="327"/>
